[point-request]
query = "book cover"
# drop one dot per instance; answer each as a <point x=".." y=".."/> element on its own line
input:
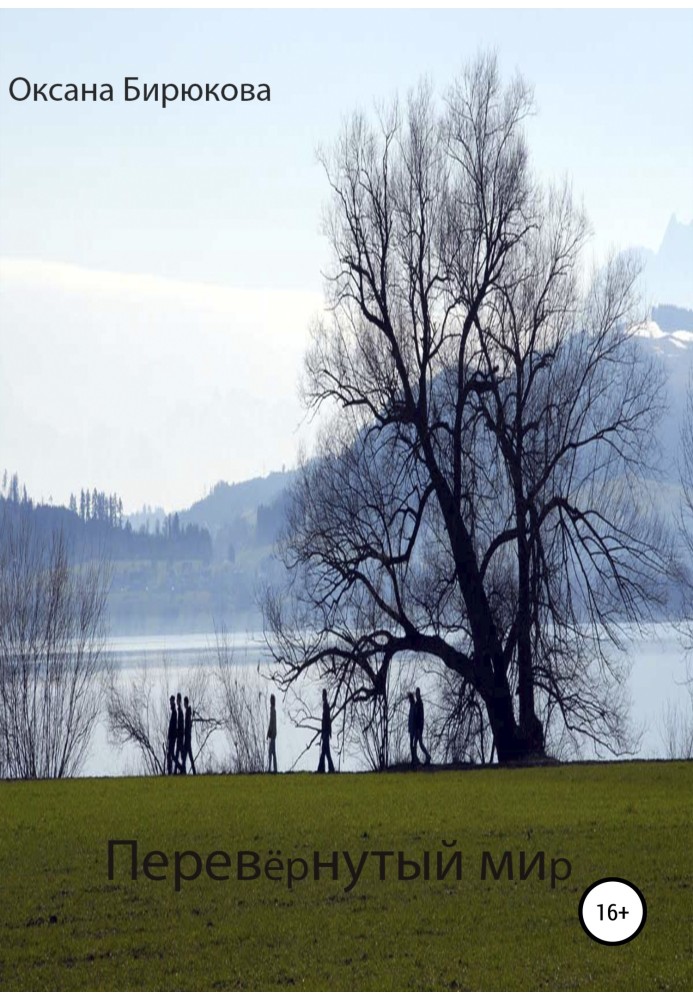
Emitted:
<point x="346" y="433"/>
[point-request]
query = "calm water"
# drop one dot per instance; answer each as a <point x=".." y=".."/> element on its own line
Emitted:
<point x="168" y="661"/>
<point x="658" y="675"/>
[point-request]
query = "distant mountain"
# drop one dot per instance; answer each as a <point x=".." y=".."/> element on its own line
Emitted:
<point x="229" y="502"/>
<point x="674" y="350"/>
<point x="668" y="276"/>
<point x="671" y="319"/>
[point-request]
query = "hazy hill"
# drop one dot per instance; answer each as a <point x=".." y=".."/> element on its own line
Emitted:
<point x="671" y="319"/>
<point x="229" y="501"/>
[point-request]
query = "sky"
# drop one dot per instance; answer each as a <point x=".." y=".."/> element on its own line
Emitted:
<point x="160" y="268"/>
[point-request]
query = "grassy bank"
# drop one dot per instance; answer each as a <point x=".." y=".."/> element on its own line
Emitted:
<point x="63" y="924"/>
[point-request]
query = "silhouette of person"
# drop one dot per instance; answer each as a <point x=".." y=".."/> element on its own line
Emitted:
<point x="325" y="736"/>
<point x="420" y="725"/>
<point x="272" y="735"/>
<point x="180" y="737"/>
<point x="187" y="736"/>
<point x="412" y="729"/>
<point x="172" y="734"/>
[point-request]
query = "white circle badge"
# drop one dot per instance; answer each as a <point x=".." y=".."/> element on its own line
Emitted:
<point x="612" y="911"/>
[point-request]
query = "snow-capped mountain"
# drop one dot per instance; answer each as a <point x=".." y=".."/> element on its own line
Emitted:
<point x="668" y="275"/>
<point x="674" y="350"/>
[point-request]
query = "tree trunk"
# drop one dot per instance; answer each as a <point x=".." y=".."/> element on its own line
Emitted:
<point x="531" y="730"/>
<point x="512" y="742"/>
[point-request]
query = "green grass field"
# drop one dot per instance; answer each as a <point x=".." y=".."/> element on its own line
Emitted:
<point x="65" y="925"/>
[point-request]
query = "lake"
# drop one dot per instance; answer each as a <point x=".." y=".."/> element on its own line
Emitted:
<point x="658" y="679"/>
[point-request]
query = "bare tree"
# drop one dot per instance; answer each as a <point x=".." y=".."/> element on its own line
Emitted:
<point x="378" y="725"/>
<point x="52" y="649"/>
<point x="243" y="708"/>
<point x="138" y="712"/>
<point x="464" y="733"/>
<point x="477" y="496"/>
<point x="676" y="728"/>
<point x="136" y="716"/>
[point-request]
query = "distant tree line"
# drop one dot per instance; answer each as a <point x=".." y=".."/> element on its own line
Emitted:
<point x="13" y="490"/>
<point x="96" y="519"/>
<point x="98" y="506"/>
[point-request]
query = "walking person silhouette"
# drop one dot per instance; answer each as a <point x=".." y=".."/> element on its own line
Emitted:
<point x="180" y="737"/>
<point x="325" y="736"/>
<point x="171" y="756"/>
<point x="272" y="735"/>
<point x="420" y="725"/>
<point x="187" y="736"/>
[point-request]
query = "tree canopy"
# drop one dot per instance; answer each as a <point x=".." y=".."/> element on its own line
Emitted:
<point x="476" y="495"/>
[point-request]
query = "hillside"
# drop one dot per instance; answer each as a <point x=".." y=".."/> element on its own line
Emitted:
<point x="243" y="521"/>
<point x="229" y="502"/>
